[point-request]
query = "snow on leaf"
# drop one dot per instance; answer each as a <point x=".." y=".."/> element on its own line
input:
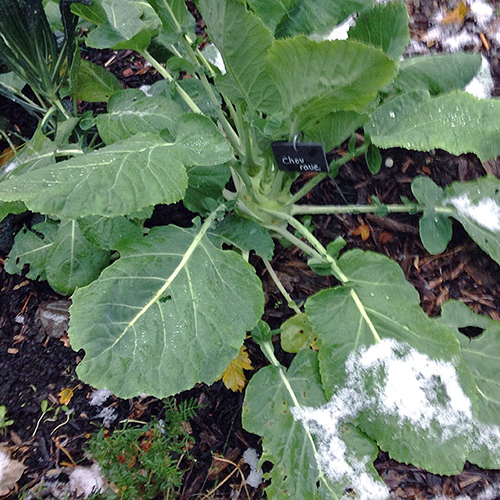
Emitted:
<point x="486" y="212"/>
<point x="233" y="376"/>
<point x="401" y="398"/>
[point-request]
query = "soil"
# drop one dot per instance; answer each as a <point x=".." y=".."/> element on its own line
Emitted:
<point x="36" y="363"/>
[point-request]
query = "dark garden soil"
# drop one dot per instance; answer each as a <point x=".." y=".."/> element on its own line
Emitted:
<point x="37" y="362"/>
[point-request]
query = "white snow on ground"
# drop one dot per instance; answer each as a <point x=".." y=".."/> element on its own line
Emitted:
<point x="483" y="13"/>
<point x="486" y="213"/>
<point x="251" y="458"/>
<point x="84" y="481"/>
<point x="453" y="37"/>
<point x="406" y="385"/>
<point x="4" y="464"/>
<point x="108" y="416"/>
<point x="97" y="398"/>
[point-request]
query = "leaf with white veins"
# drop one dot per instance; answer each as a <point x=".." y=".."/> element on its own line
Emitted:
<point x="185" y="321"/>
<point x="122" y="178"/>
<point x="377" y="303"/>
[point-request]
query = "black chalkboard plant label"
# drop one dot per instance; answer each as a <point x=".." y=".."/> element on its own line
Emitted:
<point x="300" y="156"/>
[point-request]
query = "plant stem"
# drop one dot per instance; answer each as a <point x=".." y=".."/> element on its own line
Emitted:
<point x="306" y="188"/>
<point x="295" y="241"/>
<point x="365" y="209"/>
<point x="163" y="72"/>
<point x="267" y="349"/>
<point x="290" y="302"/>
<point x="350" y="156"/>
<point x="312" y="240"/>
<point x="234" y="139"/>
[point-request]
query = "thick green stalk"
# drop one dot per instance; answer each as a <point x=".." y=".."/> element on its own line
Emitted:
<point x="312" y="240"/>
<point x="163" y="72"/>
<point x="365" y="209"/>
<point x="290" y="302"/>
<point x="267" y="349"/>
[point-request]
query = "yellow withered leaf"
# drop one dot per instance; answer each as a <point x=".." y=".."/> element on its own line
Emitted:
<point x="456" y="16"/>
<point x="362" y="230"/>
<point x="65" y="396"/>
<point x="233" y="376"/>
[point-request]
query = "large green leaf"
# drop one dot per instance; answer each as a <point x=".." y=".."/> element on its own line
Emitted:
<point x="288" y="408"/>
<point x="131" y="112"/>
<point x="334" y="128"/>
<point x="437" y="74"/>
<point x="93" y="83"/>
<point x="376" y="304"/>
<point x="205" y="187"/>
<point x="435" y="229"/>
<point x="122" y="178"/>
<point x="287" y="443"/>
<point x="482" y="354"/>
<point x="476" y="204"/>
<point x="171" y="312"/>
<point x="121" y="24"/>
<point x="384" y="26"/>
<point x="306" y="16"/>
<point x="315" y="78"/>
<point x="73" y="261"/>
<point x="457" y="122"/>
<point x="244" y="42"/>
<point x="58" y="253"/>
<point x="244" y="234"/>
<point x="31" y="247"/>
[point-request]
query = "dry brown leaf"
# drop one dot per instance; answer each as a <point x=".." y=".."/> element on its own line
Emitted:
<point x="233" y="376"/>
<point x="6" y="155"/>
<point x="456" y="16"/>
<point x="12" y="470"/>
<point x="362" y="230"/>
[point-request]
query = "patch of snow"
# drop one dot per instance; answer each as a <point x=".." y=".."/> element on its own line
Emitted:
<point x="341" y="31"/>
<point x="146" y="89"/>
<point x="86" y="480"/>
<point x="12" y="165"/>
<point x="458" y="42"/>
<point x="481" y="85"/>
<point x="99" y="397"/>
<point x="483" y="13"/>
<point x="415" y="48"/>
<point x="4" y="464"/>
<point x="20" y="319"/>
<point x="489" y="493"/>
<point x="213" y="56"/>
<point x="251" y="458"/>
<point x="395" y="380"/>
<point x="486" y="213"/>
<point x="108" y="415"/>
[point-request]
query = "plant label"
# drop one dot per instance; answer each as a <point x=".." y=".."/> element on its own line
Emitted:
<point x="300" y="156"/>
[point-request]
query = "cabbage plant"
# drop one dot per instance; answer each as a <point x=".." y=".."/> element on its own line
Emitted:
<point x="158" y="311"/>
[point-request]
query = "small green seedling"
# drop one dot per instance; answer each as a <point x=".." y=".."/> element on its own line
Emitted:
<point x="4" y="421"/>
